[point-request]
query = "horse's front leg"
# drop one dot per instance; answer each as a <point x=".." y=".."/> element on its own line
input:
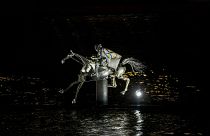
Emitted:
<point x="127" y="83"/>
<point x="78" y="89"/>
<point x="80" y="79"/>
<point x="114" y="84"/>
<point x="64" y="90"/>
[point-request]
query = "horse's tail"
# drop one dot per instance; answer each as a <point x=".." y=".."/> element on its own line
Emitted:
<point x="135" y="64"/>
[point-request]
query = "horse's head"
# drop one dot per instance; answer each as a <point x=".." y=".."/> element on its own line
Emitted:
<point x="70" y="55"/>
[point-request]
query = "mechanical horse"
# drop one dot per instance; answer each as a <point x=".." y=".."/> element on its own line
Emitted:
<point x="102" y="67"/>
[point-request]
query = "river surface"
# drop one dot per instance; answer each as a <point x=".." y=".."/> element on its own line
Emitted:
<point x="98" y="122"/>
<point x="29" y="107"/>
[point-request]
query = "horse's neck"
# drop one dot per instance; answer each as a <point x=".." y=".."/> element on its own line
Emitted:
<point x="83" y="60"/>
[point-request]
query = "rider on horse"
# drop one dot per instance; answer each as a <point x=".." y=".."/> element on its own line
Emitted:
<point x="107" y="57"/>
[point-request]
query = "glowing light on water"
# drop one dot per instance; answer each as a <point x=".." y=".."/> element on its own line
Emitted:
<point x="138" y="93"/>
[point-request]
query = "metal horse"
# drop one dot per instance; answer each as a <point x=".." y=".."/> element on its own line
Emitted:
<point x="93" y="68"/>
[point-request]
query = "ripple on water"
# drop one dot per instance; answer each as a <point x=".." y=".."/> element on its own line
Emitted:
<point x="96" y="122"/>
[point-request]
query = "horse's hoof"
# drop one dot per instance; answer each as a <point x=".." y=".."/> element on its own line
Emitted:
<point x="62" y="62"/>
<point x="61" y="91"/>
<point x="73" y="101"/>
<point x="123" y="92"/>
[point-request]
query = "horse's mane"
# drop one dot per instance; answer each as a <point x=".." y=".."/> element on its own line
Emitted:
<point x="82" y="58"/>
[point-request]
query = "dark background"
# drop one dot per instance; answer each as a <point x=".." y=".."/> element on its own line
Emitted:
<point x="36" y="35"/>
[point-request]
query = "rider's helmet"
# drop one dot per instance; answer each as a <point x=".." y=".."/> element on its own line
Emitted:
<point x="98" y="47"/>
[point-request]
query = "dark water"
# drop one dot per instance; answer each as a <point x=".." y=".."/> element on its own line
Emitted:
<point x="29" y="107"/>
<point x="93" y="121"/>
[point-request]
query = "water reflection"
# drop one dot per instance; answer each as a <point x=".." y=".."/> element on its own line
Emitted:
<point x="65" y="122"/>
<point x="110" y="123"/>
<point x="139" y="123"/>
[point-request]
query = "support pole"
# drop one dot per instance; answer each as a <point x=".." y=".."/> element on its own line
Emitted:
<point x="102" y="92"/>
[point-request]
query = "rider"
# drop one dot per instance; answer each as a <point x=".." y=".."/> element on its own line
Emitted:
<point x="107" y="57"/>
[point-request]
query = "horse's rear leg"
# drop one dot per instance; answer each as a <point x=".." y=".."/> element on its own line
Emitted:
<point x="126" y="86"/>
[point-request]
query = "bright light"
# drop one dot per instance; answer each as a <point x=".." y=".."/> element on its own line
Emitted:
<point x="138" y="93"/>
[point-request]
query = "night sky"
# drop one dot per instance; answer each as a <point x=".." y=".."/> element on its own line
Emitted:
<point x="173" y="35"/>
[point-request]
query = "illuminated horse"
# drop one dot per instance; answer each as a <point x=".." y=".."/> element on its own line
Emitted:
<point x="101" y="67"/>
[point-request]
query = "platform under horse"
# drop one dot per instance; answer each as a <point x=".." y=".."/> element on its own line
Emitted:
<point x="106" y="64"/>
